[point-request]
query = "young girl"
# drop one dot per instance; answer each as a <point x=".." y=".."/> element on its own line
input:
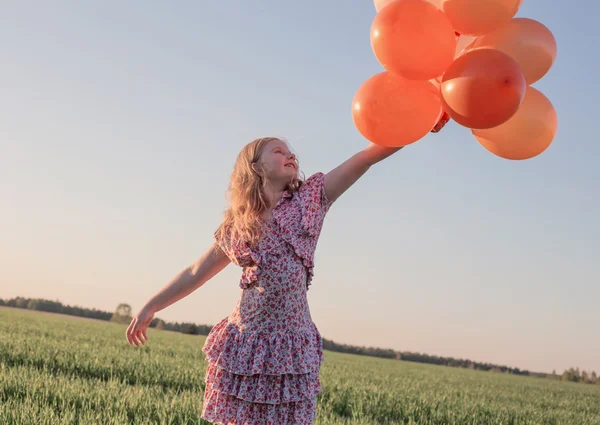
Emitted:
<point x="264" y="359"/>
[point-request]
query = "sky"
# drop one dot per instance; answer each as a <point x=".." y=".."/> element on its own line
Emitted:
<point x="120" y="123"/>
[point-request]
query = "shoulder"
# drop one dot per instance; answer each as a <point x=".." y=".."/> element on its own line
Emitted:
<point x="314" y="183"/>
<point x="235" y="248"/>
<point x="312" y="191"/>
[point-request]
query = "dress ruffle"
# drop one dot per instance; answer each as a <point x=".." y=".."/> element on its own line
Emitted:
<point x="272" y="389"/>
<point x="296" y="237"/>
<point x="224" y="409"/>
<point x="261" y="377"/>
<point x="300" y="221"/>
<point x="299" y="246"/>
<point x="251" y="272"/>
<point x="263" y="352"/>
<point x="314" y="204"/>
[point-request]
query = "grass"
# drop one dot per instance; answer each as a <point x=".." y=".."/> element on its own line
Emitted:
<point x="61" y="370"/>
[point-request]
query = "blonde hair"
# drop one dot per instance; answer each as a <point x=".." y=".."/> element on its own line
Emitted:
<point x="248" y="199"/>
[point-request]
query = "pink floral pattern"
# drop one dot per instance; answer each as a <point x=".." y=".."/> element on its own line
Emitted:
<point x="264" y="358"/>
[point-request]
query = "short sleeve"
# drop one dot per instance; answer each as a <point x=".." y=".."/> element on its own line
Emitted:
<point x="238" y="251"/>
<point x="224" y="243"/>
<point x="240" y="254"/>
<point x="315" y="203"/>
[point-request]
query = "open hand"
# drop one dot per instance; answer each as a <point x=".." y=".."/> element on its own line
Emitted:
<point x="136" y="332"/>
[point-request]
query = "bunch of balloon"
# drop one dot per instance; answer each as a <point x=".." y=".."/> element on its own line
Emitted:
<point x="470" y="59"/>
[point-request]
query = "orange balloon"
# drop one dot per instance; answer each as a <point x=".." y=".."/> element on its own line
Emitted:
<point x="463" y="43"/>
<point x="483" y="88"/>
<point x="527" y="134"/>
<point x="527" y="41"/>
<point x="392" y="111"/>
<point x="478" y="17"/>
<point x="413" y="39"/>
<point x="379" y="4"/>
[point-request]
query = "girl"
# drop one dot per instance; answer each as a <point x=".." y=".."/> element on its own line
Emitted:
<point x="264" y="359"/>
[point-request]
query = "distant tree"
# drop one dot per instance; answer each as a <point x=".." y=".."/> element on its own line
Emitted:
<point x="585" y="378"/>
<point x="571" y="375"/>
<point x="594" y="377"/>
<point x="190" y="329"/>
<point x="122" y="314"/>
<point x="157" y="323"/>
<point x="1" y="301"/>
<point x="33" y="305"/>
<point x="21" y="302"/>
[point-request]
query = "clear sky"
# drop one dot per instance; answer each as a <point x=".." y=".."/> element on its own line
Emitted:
<point x="120" y="123"/>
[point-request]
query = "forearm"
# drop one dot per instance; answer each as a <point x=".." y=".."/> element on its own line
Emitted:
<point x="338" y="180"/>
<point x="179" y="287"/>
<point x="189" y="279"/>
<point x="373" y="154"/>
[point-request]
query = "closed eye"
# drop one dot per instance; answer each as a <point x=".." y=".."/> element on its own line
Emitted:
<point x="281" y="152"/>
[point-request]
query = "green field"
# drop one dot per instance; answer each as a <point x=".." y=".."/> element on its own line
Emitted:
<point x="63" y="370"/>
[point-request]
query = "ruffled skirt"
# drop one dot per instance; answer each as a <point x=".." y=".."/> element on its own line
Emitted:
<point x="261" y="378"/>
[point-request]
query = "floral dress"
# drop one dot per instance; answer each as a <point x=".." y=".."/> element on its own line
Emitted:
<point x="264" y="358"/>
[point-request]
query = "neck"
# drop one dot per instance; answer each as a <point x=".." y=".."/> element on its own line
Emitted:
<point x="275" y="192"/>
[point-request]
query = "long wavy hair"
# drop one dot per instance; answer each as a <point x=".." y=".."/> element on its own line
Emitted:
<point x="248" y="199"/>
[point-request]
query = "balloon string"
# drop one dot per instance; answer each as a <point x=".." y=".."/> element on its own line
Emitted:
<point x="445" y="117"/>
<point x="441" y="123"/>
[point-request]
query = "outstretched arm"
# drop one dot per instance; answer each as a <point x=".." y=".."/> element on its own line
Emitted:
<point x="338" y="180"/>
<point x="187" y="281"/>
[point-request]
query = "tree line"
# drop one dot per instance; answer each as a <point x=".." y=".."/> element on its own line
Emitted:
<point x="122" y="314"/>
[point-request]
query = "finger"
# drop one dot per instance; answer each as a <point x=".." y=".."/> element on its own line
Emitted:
<point x="130" y="330"/>
<point x="128" y="336"/>
<point x="127" y="331"/>
<point x="133" y="334"/>
<point x="144" y="334"/>
<point x="140" y="336"/>
<point x="137" y="339"/>
<point x="134" y="339"/>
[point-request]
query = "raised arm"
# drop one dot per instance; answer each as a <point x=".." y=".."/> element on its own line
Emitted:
<point x="187" y="281"/>
<point x="338" y="180"/>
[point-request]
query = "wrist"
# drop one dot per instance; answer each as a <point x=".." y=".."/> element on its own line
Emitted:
<point x="150" y="307"/>
<point x="376" y="153"/>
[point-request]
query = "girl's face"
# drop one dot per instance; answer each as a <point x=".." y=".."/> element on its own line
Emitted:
<point x="278" y="163"/>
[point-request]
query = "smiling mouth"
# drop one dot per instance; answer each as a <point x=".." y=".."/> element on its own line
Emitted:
<point x="290" y="165"/>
